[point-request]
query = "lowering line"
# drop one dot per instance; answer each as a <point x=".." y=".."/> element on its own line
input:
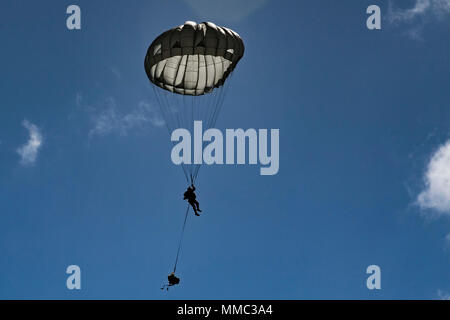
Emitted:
<point x="181" y="239"/>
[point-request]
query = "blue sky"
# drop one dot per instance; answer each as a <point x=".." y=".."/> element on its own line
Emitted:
<point x="364" y="160"/>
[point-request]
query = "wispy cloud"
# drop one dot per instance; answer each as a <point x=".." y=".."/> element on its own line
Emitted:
<point x="437" y="8"/>
<point x="443" y="295"/>
<point x="107" y="117"/>
<point x="116" y="72"/>
<point x="29" y="151"/>
<point x="226" y="11"/>
<point x="422" y="12"/>
<point x="447" y="241"/>
<point x="420" y="8"/>
<point x="436" y="193"/>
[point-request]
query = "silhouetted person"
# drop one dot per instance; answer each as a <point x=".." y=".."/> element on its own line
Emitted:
<point x="190" y="196"/>
<point x="173" y="280"/>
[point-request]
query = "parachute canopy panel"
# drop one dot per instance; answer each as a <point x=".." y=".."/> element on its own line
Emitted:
<point x="193" y="59"/>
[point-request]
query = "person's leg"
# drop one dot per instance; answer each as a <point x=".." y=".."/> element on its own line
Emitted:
<point x="198" y="205"/>
<point x="193" y="207"/>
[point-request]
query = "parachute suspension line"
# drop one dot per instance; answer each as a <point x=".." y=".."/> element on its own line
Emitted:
<point x="179" y="123"/>
<point x="192" y="115"/>
<point x="213" y="106"/>
<point x="181" y="239"/>
<point x="216" y="103"/>
<point x="210" y="102"/>
<point x="224" y="93"/>
<point x="181" y="104"/>
<point x="205" y="107"/>
<point x="161" y="107"/>
<point x="190" y="125"/>
<point x="225" y="90"/>
<point x="165" y="108"/>
<point x="195" y="105"/>
<point x="216" y="106"/>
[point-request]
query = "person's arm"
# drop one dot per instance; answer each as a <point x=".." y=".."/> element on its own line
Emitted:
<point x="193" y="188"/>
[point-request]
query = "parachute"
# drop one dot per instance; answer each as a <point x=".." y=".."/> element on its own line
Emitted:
<point x="190" y="67"/>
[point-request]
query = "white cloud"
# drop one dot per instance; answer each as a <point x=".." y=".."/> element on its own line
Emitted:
<point x="150" y="114"/>
<point x="436" y="194"/>
<point x="443" y="295"/>
<point x="227" y="11"/>
<point x="421" y="8"/>
<point x="107" y="117"/>
<point x="441" y="7"/>
<point x="421" y="13"/>
<point x="29" y="151"/>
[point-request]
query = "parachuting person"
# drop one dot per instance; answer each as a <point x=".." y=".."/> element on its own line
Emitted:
<point x="189" y="67"/>
<point x="190" y="196"/>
